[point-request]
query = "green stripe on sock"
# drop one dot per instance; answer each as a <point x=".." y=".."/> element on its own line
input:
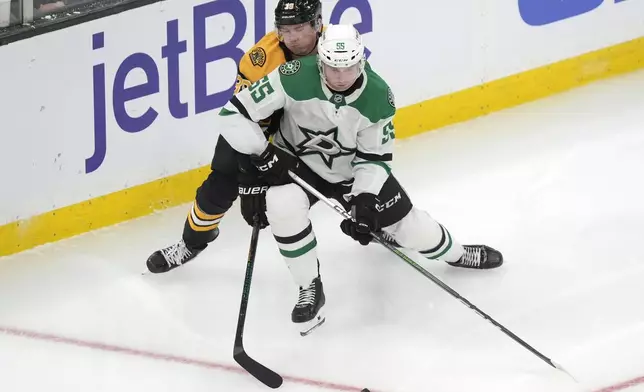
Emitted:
<point x="447" y="248"/>
<point x="291" y="254"/>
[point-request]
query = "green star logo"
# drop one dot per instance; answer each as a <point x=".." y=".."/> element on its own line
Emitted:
<point x="325" y="144"/>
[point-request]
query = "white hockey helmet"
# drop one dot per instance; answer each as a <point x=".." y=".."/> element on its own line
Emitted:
<point x="340" y="46"/>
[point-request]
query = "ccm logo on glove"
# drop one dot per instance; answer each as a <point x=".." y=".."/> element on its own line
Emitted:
<point x="389" y="204"/>
<point x="268" y="165"/>
<point x="255" y="190"/>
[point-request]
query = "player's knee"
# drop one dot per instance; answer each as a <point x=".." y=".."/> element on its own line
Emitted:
<point x="217" y="193"/>
<point x="418" y="230"/>
<point x="286" y="202"/>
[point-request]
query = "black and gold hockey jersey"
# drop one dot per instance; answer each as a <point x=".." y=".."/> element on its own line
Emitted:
<point x="266" y="55"/>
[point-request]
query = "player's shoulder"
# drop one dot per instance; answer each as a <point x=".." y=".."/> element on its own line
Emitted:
<point x="304" y="67"/>
<point x="262" y="58"/>
<point x="377" y="99"/>
<point x="301" y="78"/>
<point x="377" y="86"/>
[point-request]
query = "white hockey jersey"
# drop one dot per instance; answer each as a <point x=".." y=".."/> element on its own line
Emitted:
<point x="343" y="139"/>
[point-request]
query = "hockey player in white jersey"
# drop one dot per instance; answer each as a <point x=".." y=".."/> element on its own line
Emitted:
<point x="336" y="133"/>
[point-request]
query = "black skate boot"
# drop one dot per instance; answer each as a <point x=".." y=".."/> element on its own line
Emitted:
<point x="173" y="256"/>
<point x="308" y="312"/>
<point x="479" y="257"/>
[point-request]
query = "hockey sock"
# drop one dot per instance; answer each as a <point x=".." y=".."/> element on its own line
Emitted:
<point x="446" y="248"/>
<point x="300" y="253"/>
<point x="200" y="227"/>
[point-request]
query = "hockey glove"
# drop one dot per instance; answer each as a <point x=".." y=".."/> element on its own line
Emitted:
<point x="273" y="165"/>
<point x="253" y="202"/>
<point x="365" y="214"/>
<point x="252" y="195"/>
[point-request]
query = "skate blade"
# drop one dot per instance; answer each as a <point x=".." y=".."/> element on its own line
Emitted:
<point x="316" y="323"/>
<point x="310" y="326"/>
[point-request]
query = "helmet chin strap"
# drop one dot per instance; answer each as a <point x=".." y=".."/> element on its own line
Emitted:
<point x="317" y="38"/>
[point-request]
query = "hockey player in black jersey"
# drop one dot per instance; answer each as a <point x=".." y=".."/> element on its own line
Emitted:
<point x="298" y="24"/>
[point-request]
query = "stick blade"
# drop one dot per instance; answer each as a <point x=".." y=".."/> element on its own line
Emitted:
<point x="559" y="367"/>
<point x="257" y="370"/>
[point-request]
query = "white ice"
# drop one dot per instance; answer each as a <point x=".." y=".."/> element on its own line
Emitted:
<point x="557" y="185"/>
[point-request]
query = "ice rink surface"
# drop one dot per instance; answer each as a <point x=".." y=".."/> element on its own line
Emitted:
<point x="556" y="185"/>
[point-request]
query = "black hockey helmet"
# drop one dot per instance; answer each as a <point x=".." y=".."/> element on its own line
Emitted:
<point x="292" y="12"/>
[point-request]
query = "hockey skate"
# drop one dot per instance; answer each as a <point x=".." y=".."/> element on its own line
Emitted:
<point x="308" y="313"/>
<point x="479" y="257"/>
<point x="173" y="256"/>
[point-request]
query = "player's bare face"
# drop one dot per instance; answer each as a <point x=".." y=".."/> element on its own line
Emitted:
<point x="340" y="79"/>
<point x="300" y="39"/>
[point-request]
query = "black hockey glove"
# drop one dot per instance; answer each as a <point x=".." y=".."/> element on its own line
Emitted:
<point x="252" y="195"/>
<point x="363" y="210"/>
<point x="273" y="165"/>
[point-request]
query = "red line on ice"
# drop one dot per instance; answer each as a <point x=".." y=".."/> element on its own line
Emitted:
<point x="623" y="385"/>
<point x="220" y="366"/>
<point x="164" y="357"/>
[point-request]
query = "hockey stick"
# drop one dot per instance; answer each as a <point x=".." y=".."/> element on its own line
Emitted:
<point x="428" y="274"/>
<point x="259" y="371"/>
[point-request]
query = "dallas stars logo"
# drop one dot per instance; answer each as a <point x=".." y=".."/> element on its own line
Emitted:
<point x="324" y="144"/>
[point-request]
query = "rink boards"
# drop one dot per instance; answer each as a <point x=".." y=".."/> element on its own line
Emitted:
<point x="115" y="118"/>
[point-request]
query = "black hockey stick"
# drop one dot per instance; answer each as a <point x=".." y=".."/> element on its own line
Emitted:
<point x="259" y="371"/>
<point x="428" y="274"/>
